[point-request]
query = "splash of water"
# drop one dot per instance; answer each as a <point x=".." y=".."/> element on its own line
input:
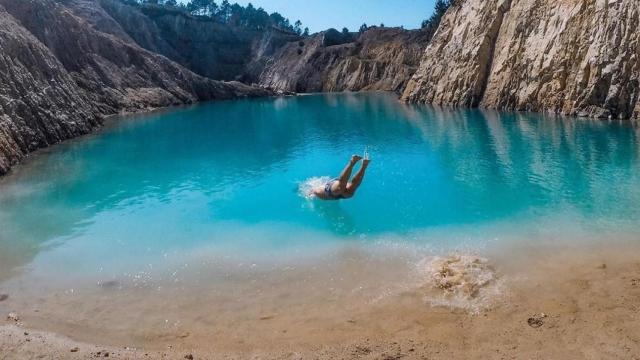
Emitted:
<point x="305" y="188"/>
<point x="461" y="281"/>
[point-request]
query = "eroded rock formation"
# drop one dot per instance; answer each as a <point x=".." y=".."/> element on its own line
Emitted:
<point x="60" y="75"/>
<point x="68" y="63"/>
<point x="203" y="45"/>
<point x="573" y="57"/>
<point x="378" y="59"/>
<point x="65" y="64"/>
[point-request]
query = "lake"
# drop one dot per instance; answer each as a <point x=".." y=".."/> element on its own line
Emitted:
<point x="209" y="197"/>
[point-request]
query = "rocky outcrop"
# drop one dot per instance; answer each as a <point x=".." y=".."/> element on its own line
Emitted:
<point x="59" y="76"/>
<point x="203" y="45"/>
<point x="572" y="57"/>
<point x="35" y="96"/>
<point x="378" y="59"/>
<point x="68" y="63"/>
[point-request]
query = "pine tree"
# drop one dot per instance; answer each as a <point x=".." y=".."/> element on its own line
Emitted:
<point x="199" y="7"/>
<point x="212" y="8"/>
<point x="297" y="27"/>
<point x="225" y="10"/>
<point x="431" y="24"/>
<point x="235" y="15"/>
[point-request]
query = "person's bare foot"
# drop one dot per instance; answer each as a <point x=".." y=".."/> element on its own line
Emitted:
<point x="355" y="158"/>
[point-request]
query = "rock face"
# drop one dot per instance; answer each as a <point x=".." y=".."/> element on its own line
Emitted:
<point x="35" y="96"/>
<point x="378" y="59"/>
<point x="65" y="64"/>
<point x="206" y="47"/>
<point x="572" y="57"/>
<point x="60" y="75"/>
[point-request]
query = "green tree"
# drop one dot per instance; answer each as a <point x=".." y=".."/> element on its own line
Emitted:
<point x="199" y="7"/>
<point x="305" y="32"/>
<point x="235" y="15"/>
<point x="431" y="24"/>
<point x="297" y="27"/>
<point x="345" y="31"/>
<point x="277" y="20"/>
<point x="260" y="19"/>
<point x="363" y="28"/>
<point x="212" y="8"/>
<point x="224" y="11"/>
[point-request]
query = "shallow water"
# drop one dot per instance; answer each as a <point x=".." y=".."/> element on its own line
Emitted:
<point x="211" y="189"/>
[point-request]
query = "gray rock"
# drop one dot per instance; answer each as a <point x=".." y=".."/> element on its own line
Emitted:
<point x="574" y="58"/>
<point x="380" y="59"/>
<point x="59" y="77"/>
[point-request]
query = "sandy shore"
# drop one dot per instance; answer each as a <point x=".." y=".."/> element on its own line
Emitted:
<point x="560" y="304"/>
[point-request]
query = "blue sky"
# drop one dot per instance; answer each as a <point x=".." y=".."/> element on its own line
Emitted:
<point x="322" y="14"/>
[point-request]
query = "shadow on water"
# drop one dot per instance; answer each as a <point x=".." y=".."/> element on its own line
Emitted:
<point x="432" y="167"/>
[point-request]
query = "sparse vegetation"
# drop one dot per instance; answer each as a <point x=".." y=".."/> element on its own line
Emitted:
<point x="232" y="14"/>
<point x="431" y="24"/>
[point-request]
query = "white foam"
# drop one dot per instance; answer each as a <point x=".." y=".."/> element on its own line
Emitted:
<point x="461" y="281"/>
<point x="305" y="188"/>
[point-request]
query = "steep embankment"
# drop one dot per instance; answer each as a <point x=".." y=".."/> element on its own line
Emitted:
<point x="378" y="59"/>
<point x="574" y="57"/>
<point x="60" y="75"/>
<point x="205" y="46"/>
<point x="68" y="63"/>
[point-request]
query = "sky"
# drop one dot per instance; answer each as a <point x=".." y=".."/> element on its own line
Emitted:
<point x="320" y="15"/>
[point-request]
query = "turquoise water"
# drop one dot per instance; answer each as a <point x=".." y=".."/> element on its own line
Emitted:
<point x="224" y="178"/>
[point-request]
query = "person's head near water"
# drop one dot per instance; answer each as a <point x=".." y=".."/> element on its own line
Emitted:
<point x="341" y="187"/>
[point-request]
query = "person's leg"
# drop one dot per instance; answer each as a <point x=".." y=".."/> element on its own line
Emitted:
<point x="357" y="180"/>
<point x="346" y="173"/>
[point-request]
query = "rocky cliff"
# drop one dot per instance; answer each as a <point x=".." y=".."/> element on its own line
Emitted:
<point x="60" y="74"/>
<point x="203" y="45"/>
<point x="573" y="57"/>
<point x="65" y="64"/>
<point x="377" y="59"/>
